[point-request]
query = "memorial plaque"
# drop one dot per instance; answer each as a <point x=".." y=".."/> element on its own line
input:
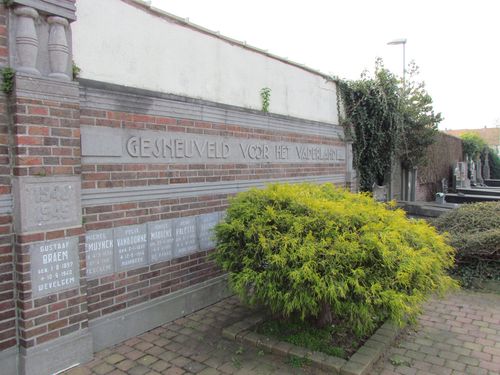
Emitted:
<point x="55" y="266"/>
<point x="144" y="146"/>
<point x="99" y="253"/>
<point x="46" y="203"/>
<point x="130" y="246"/>
<point x="206" y="224"/>
<point x="185" y="236"/>
<point x="161" y="240"/>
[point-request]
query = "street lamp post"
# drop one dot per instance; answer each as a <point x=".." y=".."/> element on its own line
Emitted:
<point x="403" y="42"/>
<point x="406" y="190"/>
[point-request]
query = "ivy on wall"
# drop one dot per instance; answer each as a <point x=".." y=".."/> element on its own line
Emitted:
<point x="388" y="120"/>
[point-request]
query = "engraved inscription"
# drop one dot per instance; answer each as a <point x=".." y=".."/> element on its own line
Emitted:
<point x="47" y="203"/>
<point x="176" y="148"/>
<point x="114" y="250"/>
<point x="185" y="236"/>
<point x="151" y="147"/>
<point x="130" y="246"/>
<point x="161" y="240"/>
<point x="52" y="202"/>
<point x="206" y="224"/>
<point x="99" y="247"/>
<point x="55" y="266"/>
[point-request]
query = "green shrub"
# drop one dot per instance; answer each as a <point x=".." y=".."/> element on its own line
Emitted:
<point x="311" y="251"/>
<point x="474" y="230"/>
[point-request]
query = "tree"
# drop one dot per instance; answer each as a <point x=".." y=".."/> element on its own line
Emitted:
<point x="386" y="121"/>
<point x="420" y="123"/>
<point x="474" y="145"/>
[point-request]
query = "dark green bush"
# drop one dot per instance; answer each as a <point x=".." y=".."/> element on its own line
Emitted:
<point x="474" y="231"/>
<point x="310" y="251"/>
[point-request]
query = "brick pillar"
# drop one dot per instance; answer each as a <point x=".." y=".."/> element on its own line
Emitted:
<point x="49" y="237"/>
<point x="8" y="337"/>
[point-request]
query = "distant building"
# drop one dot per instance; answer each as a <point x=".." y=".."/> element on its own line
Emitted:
<point x="490" y="135"/>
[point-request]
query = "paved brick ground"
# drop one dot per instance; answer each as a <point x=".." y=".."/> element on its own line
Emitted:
<point x="191" y="345"/>
<point x="458" y="335"/>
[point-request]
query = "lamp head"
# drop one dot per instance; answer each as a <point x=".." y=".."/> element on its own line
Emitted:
<point x="397" y="41"/>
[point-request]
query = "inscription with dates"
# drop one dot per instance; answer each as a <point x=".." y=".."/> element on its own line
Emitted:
<point x="99" y="252"/>
<point x="114" y="250"/>
<point x="55" y="266"/>
<point x="47" y="203"/>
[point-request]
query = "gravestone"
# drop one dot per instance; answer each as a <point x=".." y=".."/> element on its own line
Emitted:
<point x="99" y="252"/>
<point x="130" y="247"/>
<point x="185" y="236"/>
<point x="486" y="168"/>
<point x="55" y="266"/>
<point x="161" y="240"/>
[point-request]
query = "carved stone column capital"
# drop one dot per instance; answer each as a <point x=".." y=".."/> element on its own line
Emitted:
<point x="57" y="20"/>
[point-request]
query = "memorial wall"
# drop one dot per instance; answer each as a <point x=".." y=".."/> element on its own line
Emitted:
<point x="111" y="184"/>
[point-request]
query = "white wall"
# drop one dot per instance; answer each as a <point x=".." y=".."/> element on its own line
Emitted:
<point x="120" y="43"/>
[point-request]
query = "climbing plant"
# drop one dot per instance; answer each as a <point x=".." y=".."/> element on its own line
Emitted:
<point x="373" y="120"/>
<point x="7" y="80"/>
<point x="387" y="120"/>
<point x="265" y="96"/>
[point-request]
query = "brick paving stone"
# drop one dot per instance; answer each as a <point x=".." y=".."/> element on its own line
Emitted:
<point x="147" y="360"/>
<point x="79" y="371"/>
<point x="114" y="358"/>
<point x="174" y="371"/>
<point x="209" y="371"/>
<point x="134" y="355"/>
<point x="125" y="365"/>
<point x="102" y="369"/>
<point x="138" y="370"/>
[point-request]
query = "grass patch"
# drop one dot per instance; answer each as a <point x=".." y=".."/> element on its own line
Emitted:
<point x="297" y="362"/>
<point x="468" y="272"/>
<point x="335" y="340"/>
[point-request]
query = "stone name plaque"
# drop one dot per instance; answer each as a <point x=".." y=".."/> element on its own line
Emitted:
<point x="185" y="236"/>
<point x="114" y="250"/>
<point x="99" y="246"/>
<point x="161" y="240"/>
<point x="46" y="203"/>
<point x="159" y="147"/>
<point x="55" y="266"/>
<point x="131" y="247"/>
<point x="206" y="224"/>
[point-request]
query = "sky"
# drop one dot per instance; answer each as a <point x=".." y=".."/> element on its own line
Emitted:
<point x="455" y="43"/>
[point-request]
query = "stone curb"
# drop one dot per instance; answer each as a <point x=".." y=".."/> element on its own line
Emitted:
<point x="360" y="362"/>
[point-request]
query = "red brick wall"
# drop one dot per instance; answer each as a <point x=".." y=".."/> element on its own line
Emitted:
<point x="7" y="302"/>
<point x="124" y="289"/>
<point x="47" y="138"/>
<point x="441" y="158"/>
<point x="47" y="142"/>
<point x="116" y="175"/>
<point x="4" y="52"/>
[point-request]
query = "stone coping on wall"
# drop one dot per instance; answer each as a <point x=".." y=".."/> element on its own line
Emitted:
<point x="360" y="363"/>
